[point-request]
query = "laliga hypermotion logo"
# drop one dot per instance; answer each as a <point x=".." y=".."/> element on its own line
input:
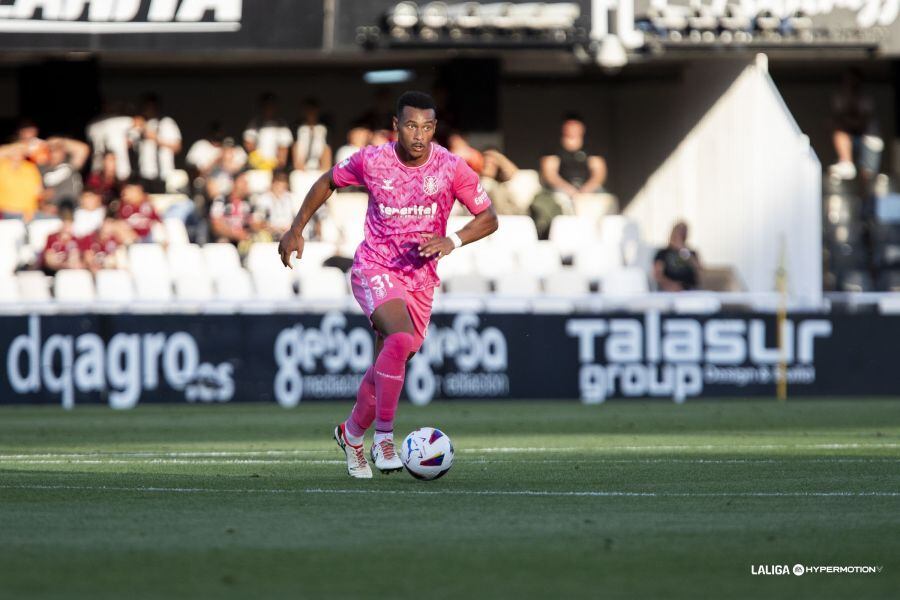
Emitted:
<point x="120" y="16"/>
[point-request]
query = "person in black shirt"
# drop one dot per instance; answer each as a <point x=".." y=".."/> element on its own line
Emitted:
<point x="568" y="171"/>
<point x="676" y="267"/>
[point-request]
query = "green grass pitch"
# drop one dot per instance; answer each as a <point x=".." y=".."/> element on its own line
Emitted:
<point x="631" y="499"/>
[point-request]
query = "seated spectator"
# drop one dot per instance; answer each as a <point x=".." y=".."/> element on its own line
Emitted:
<point x="458" y="145"/>
<point x="20" y="182"/>
<point x="357" y="138"/>
<point x="380" y="137"/>
<point x="311" y="152"/>
<point x="676" y="267"/>
<point x="267" y="137"/>
<point x="498" y="171"/>
<point x="104" y="248"/>
<point x="231" y="216"/>
<point x="61" y="173"/>
<point x="856" y="131"/>
<point x="215" y="151"/>
<point x="90" y="213"/>
<point x="568" y="171"/>
<point x="105" y="182"/>
<point x="136" y="211"/>
<point x="62" y="250"/>
<point x="276" y="208"/>
<point x="155" y="139"/>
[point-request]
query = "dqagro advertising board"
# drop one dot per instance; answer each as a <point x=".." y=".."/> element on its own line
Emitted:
<point x="123" y="360"/>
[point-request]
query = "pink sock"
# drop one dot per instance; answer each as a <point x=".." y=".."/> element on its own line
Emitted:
<point x="390" y="369"/>
<point x="364" y="410"/>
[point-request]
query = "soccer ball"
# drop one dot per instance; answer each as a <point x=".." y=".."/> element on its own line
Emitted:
<point x="427" y="453"/>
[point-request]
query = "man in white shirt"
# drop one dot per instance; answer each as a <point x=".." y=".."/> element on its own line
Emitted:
<point x="156" y="140"/>
<point x="312" y="152"/>
<point x="267" y="137"/>
<point x="109" y="133"/>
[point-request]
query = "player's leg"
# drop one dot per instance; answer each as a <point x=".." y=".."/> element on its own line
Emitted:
<point x="363" y="414"/>
<point x="393" y="322"/>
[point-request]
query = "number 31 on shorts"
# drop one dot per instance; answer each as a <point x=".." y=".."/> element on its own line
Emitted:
<point x="379" y="282"/>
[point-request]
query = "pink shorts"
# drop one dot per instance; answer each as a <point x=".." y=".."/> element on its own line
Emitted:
<point x="374" y="287"/>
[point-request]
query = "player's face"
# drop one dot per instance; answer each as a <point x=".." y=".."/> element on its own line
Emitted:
<point x="415" y="128"/>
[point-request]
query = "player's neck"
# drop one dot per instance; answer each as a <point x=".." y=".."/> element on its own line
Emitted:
<point x="408" y="160"/>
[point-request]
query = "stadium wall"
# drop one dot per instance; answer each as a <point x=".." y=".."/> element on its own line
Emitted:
<point x="122" y="360"/>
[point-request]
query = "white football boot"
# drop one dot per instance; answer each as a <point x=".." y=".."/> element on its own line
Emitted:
<point x="384" y="456"/>
<point x="357" y="466"/>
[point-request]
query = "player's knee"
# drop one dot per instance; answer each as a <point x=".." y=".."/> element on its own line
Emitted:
<point x="399" y="345"/>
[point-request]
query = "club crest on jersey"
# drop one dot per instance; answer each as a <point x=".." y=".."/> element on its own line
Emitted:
<point x="387" y="184"/>
<point x="429" y="185"/>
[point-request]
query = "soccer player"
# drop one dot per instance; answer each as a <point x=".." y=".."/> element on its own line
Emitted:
<point x="412" y="184"/>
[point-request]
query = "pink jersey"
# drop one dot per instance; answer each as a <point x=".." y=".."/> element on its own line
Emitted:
<point x="406" y="202"/>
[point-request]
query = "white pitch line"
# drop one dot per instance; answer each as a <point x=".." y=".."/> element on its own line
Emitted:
<point x="311" y="461"/>
<point x="536" y="493"/>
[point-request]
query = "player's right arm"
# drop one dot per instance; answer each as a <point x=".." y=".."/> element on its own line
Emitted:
<point x="292" y="240"/>
<point x="348" y="172"/>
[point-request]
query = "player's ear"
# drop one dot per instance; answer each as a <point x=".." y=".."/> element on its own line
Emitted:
<point x="395" y="123"/>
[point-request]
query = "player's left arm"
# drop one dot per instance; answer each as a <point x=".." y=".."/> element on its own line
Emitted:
<point x="467" y="188"/>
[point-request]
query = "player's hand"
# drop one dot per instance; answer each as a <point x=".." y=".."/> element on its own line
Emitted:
<point x="434" y="245"/>
<point x="290" y="242"/>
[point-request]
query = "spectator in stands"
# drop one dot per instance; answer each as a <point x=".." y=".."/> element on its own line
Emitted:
<point x="568" y="171"/>
<point x="856" y="131"/>
<point x="267" y="137"/>
<point x="208" y="153"/>
<point x="676" y="267"/>
<point x="137" y="212"/>
<point x="155" y="139"/>
<point x="497" y="173"/>
<point x="61" y="174"/>
<point x="311" y="152"/>
<point x="62" y="250"/>
<point x="104" y="248"/>
<point x="90" y="213"/>
<point x="105" y="182"/>
<point x="276" y="208"/>
<point x="20" y="182"/>
<point x="458" y="145"/>
<point x="232" y="218"/>
<point x="108" y="133"/>
<point x="357" y="138"/>
<point x="381" y="137"/>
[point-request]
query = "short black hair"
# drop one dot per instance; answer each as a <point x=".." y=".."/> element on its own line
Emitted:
<point x="416" y="100"/>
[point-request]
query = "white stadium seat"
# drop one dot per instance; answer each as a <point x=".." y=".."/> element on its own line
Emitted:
<point x="33" y="286"/>
<point x="696" y="303"/>
<point x="521" y="283"/>
<point x="352" y="234"/>
<point x="274" y="285"/>
<point x="9" y="289"/>
<point x="349" y="206"/>
<point x="177" y="181"/>
<point x="148" y="258"/>
<point x="114" y="285"/>
<point x="74" y="285"/>
<point x="193" y="287"/>
<point x="236" y="286"/>
<point x="221" y="258"/>
<point x="152" y="286"/>
<point x="629" y="281"/>
<point x="9" y="256"/>
<point x="326" y="283"/>
<point x="186" y="259"/>
<point x="455" y="223"/>
<point x="301" y="181"/>
<point x="39" y="230"/>
<point x="541" y="258"/>
<point x="595" y="206"/>
<point x="597" y="260"/>
<point x="467" y="284"/>
<point x="569" y="233"/>
<point x="315" y="253"/>
<point x="259" y="181"/>
<point x="566" y="282"/>
<point x="176" y="232"/>
<point x="514" y="232"/>
<point x="264" y="257"/>
<point x="493" y="260"/>
<point x="12" y="230"/>
<point x="460" y="262"/>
